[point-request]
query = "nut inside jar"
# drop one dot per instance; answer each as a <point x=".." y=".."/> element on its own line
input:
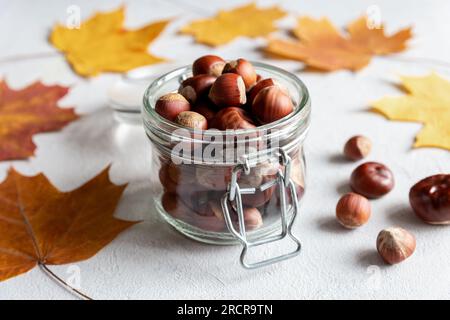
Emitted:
<point x="192" y="181"/>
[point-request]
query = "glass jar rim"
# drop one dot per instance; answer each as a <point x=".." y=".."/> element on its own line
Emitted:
<point x="301" y="111"/>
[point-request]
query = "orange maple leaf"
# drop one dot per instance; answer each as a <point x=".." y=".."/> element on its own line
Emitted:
<point x="42" y="225"/>
<point x="320" y="45"/>
<point x="28" y="111"/>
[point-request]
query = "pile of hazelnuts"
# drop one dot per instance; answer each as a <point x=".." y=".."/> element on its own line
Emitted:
<point x="429" y="199"/>
<point x="225" y="95"/>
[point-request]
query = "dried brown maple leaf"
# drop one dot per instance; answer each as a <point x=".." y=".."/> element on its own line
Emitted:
<point x="28" y="111"/>
<point x="320" y="45"/>
<point x="41" y="225"/>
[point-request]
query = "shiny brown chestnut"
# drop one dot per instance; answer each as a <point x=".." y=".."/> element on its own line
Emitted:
<point x="243" y="68"/>
<point x="191" y="119"/>
<point x="232" y="118"/>
<point x="271" y="104"/>
<point x="228" y="90"/>
<point x="209" y="64"/>
<point x="430" y="199"/>
<point x="195" y="88"/>
<point x="171" y="104"/>
<point x="372" y="180"/>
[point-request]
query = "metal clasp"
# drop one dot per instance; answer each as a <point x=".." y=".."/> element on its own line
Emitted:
<point x="234" y="194"/>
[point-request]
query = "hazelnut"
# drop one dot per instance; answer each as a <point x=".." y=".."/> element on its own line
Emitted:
<point x="192" y="120"/>
<point x="271" y="104"/>
<point x="176" y="208"/>
<point x="228" y="90"/>
<point x="232" y="118"/>
<point x="209" y="64"/>
<point x="213" y="178"/>
<point x="243" y="68"/>
<point x="173" y="205"/>
<point x="205" y="110"/>
<point x="395" y="245"/>
<point x="170" y="105"/>
<point x="168" y="184"/>
<point x="196" y="87"/>
<point x="357" y="147"/>
<point x="252" y="218"/>
<point x="353" y="210"/>
<point x="261" y="85"/>
<point x="372" y="180"/>
<point x="430" y="199"/>
<point x="181" y="174"/>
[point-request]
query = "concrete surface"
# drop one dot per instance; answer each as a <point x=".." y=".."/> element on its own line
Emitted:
<point x="153" y="261"/>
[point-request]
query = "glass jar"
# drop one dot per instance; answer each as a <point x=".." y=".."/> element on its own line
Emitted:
<point x="235" y="186"/>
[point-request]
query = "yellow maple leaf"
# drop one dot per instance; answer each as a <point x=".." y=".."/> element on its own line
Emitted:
<point x="101" y="44"/>
<point x="248" y="20"/>
<point x="427" y="102"/>
<point x="320" y="45"/>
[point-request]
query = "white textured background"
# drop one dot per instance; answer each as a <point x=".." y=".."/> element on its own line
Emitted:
<point x="153" y="261"/>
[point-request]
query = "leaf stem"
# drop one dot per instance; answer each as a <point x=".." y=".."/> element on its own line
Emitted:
<point x="30" y="56"/>
<point x="62" y="283"/>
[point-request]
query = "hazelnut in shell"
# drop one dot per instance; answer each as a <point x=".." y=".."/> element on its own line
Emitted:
<point x="353" y="210"/>
<point x="170" y="105"/>
<point x="243" y="68"/>
<point x="209" y="64"/>
<point x="357" y="148"/>
<point x="395" y="245"/>
<point x="228" y="90"/>
<point x="271" y="104"/>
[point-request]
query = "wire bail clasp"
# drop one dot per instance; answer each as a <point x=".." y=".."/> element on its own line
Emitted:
<point x="288" y="214"/>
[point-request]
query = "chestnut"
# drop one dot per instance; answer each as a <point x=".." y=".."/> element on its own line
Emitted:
<point x="170" y="105"/>
<point x="271" y="104"/>
<point x="232" y="118"/>
<point x="192" y="120"/>
<point x="243" y="68"/>
<point x="357" y="147"/>
<point x="395" y="245"/>
<point x="353" y="210"/>
<point x="209" y="64"/>
<point x="196" y="87"/>
<point x="228" y="90"/>
<point x="372" y="180"/>
<point x="430" y="199"/>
